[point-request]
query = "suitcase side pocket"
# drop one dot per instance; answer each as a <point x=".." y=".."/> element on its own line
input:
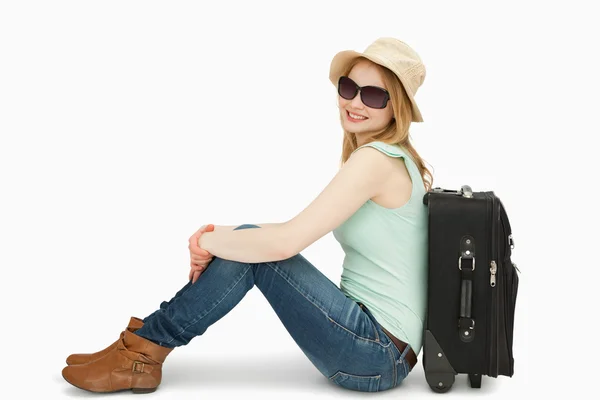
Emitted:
<point x="510" y="291"/>
<point x="513" y="302"/>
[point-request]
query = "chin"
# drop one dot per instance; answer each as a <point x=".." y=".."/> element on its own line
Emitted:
<point x="351" y="127"/>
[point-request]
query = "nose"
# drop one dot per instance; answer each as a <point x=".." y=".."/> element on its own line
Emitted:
<point x="357" y="102"/>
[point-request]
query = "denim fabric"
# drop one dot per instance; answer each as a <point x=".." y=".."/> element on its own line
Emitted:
<point x="344" y="341"/>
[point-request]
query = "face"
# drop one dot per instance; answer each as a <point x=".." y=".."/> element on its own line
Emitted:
<point x="364" y="73"/>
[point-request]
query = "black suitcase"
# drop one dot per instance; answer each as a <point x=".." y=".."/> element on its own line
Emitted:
<point x="472" y="288"/>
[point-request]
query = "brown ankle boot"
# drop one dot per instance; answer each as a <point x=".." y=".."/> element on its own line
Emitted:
<point x="134" y="363"/>
<point x="73" y="359"/>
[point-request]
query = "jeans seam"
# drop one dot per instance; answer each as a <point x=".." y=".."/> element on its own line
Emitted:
<point x="213" y="307"/>
<point x="374" y="324"/>
<point x="406" y="367"/>
<point x="274" y="267"/>
<point x="403" y="358"/>
<point x="395" y="368"/>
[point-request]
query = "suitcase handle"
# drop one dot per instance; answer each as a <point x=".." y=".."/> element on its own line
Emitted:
<point x="466" y="324"/>
<point x="465" y="191"/>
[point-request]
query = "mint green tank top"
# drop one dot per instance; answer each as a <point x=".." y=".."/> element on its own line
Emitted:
<point x="385" y="262"/>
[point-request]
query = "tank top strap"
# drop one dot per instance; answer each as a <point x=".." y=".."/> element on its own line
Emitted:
<point x="390" y="150"/>
<point x="397" y="151"/>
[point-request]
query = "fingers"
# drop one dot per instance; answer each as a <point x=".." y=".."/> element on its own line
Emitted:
<point x="194" y="249"/>
<point x="198" y="267"/>
<point x="200" y="259"/>
<point x="202" y="264"/>
<point x="193" y="244"/>
<point x="195" y="272"/>
<point x="193" y="241"/>
<point x="195" y="265"/>
<point x="200" y="252"/>
<point x="194" y="269"/>
<point x="195" y="276"/>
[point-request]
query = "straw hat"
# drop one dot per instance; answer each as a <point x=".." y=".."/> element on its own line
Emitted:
<point x="393" y="54"/>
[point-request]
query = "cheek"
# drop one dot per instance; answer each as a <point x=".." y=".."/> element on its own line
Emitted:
<point x="378" y="115"/>
<point x="390" y="113"/>
<point x="342" y="103"/>
<point x="389" y="110"/>
<point x="384" y="115"/>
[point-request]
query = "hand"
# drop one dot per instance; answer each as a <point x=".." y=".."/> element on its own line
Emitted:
<point x="199" y="258"/>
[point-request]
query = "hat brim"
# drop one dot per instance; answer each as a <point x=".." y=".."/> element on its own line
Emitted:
<point x="341" y="60"/>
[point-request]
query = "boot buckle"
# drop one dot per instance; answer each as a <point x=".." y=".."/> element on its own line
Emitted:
<point x="133" y="368"/>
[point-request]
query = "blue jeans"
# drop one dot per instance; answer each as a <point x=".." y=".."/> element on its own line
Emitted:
<point x="344" y="341"/>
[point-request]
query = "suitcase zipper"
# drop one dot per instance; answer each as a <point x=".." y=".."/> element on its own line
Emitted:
<point x="493" y="269"/>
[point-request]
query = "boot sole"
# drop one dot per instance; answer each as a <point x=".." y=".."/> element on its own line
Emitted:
<point x="142" y="391"/>
<point x="134" y="390"/>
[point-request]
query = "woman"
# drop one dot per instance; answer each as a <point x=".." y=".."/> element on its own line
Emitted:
<point x="365" y="335"/>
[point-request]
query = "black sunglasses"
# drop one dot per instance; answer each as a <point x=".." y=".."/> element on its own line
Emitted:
<point x="371" y="96"/>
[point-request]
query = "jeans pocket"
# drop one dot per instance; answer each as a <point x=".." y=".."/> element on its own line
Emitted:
<point x="362" y="383"/>
<point x="362" y="327"/>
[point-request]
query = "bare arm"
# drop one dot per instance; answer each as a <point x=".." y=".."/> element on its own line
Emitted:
<point x="245" y="245"/>
<point x="361" y="178"/>
<point x="232" y="227"/>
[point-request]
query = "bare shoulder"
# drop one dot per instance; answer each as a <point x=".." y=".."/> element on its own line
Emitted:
<point x="373" y="158"/>
<point x="370" y="164"/>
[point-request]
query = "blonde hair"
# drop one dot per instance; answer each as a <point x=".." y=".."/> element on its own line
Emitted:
<point x="396" y="132"/>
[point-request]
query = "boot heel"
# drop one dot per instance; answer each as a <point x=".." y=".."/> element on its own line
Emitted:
<point x="143" y="390"/>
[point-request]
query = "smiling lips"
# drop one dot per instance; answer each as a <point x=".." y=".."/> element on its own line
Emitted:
<point x="354" y="117"/>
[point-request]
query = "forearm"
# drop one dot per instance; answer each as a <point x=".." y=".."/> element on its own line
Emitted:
<point x="246" y="245"/>
<point x="232" y="227"/>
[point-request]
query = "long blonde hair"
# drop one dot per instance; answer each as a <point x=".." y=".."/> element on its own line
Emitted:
<point x="396" y="132"/>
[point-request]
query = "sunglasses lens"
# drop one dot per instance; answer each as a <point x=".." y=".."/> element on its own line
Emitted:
<point x="346" y="88"/>
<point x="374" y="97"/>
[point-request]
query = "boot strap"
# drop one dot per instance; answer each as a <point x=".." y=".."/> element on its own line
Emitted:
<point x="140" y="367"/>
<point x="141" y="363"/>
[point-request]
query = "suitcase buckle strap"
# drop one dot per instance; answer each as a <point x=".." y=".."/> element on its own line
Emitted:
<point x="468" y="258"/>
<point x="466" y="324"/>
<point x="466" y="329"/>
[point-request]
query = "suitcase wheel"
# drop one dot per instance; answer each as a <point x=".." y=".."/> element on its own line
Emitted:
<point x="440" y="389"/>
<point x="440" y="382"/>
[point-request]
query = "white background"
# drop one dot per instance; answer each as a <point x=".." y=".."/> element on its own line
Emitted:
<point x="126" y="125"/>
